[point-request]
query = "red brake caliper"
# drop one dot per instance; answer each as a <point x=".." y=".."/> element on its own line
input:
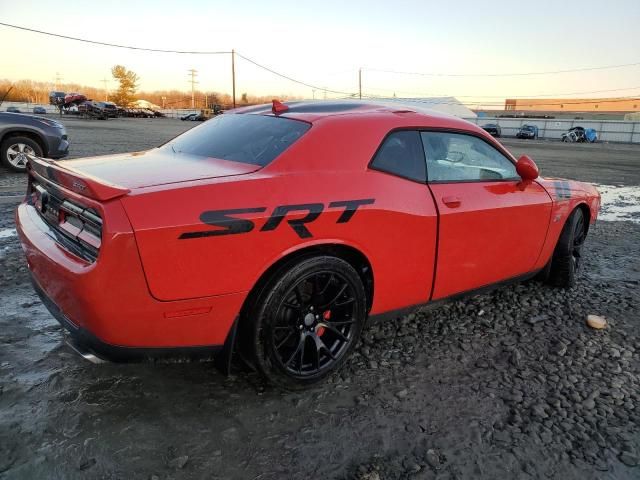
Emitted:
<point x="326" y="316"/>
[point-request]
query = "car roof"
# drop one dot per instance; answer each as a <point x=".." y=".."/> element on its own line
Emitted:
<point x="314" y="110"/>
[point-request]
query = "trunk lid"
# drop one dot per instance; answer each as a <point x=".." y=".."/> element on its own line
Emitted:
<point x="159" y="166"/>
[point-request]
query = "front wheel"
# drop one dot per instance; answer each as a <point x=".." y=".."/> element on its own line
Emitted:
<point x="567" y="256"/>
<point x="16" y="150"/>
<point x="307" y="321"/>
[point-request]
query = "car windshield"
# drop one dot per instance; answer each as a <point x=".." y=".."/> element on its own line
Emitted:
<point x="527" y="128"/>
<point x="246" y="138"/>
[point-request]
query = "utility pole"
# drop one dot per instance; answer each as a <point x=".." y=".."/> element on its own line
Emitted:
<point x="194" y="73"/>
<point x="313" y="93"/>
<point x="164" y="99"/>
<point x="360" y="83"/>
<point x="106" y="91"/>
<point x="58" y="79"/>
<point x="233" y="75"/>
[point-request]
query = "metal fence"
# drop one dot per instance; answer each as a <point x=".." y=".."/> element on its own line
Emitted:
<point x="551" y="128"/>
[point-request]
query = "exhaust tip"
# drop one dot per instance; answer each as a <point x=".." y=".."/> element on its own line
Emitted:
<point x="83" y="352"/>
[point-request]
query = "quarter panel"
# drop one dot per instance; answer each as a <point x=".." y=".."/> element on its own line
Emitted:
<point x="397" y="232"/>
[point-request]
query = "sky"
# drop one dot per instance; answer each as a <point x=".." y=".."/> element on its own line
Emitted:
<point x="326" y="43"/>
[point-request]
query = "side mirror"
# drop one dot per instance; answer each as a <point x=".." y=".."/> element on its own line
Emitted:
<point x="527" y="168"/>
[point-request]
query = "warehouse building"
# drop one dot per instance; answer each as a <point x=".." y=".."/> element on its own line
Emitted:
<point x="602" y="108"/>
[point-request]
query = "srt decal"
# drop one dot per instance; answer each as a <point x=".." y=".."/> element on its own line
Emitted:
<point x="229" y="224"/>
<point x="563" y="190"/>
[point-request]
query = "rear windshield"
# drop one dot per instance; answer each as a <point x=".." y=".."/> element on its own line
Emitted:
<point x="254" y="139"/>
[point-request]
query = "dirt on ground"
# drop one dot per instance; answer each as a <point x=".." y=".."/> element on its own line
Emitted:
<point x="510" y="384"/>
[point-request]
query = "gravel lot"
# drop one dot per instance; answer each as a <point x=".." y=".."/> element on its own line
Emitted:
<point x="511" y="384"/>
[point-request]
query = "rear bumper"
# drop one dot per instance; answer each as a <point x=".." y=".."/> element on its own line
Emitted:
<point x="106" y="305"/>
<point x="91" y="348"/>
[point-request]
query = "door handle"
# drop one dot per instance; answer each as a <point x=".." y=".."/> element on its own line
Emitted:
<point x="452" y="201"/>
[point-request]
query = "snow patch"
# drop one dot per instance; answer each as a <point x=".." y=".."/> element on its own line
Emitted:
<point x="619" y="203"/>
<point x="8" y="233"/>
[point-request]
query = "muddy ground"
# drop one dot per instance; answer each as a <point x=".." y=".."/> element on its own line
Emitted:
<point x="511" y="384"/>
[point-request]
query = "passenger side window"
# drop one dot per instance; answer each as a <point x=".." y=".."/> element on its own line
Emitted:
<point x="401" y="154"/>
<point x="455" y="157"/>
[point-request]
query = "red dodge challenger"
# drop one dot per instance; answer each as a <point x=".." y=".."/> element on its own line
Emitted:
<point x="281" y="229"/>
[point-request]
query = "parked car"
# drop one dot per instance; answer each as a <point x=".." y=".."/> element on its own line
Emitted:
<point x="189" y="117"/>
<point x="92" y="109"/>
<point x="493" y="129"/>
<point x="74" y="97"/>
<point x="279" y="229"/>
<point x="13" y="110"/>
<point x="527" y="131"/>
<point x="40" y="110"/>
<point x="109" y="108"/>
<point x="580" y="135"/>
<point x="22" y="136"/>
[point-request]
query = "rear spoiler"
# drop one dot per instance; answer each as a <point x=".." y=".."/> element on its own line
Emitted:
<point x="70" y="179"/>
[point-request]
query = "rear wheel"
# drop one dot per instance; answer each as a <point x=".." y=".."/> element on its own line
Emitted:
<point x="307" y="320"/>
<point x="567" y="257"/>
<point x="15" y="151"/>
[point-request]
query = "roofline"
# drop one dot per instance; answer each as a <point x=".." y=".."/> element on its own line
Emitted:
<point x="322" y="108"/>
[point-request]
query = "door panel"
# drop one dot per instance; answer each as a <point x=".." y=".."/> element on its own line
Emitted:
<point x="488" y="232"/>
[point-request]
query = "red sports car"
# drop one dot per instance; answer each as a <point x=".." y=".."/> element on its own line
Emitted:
<point x="281" y="229"/>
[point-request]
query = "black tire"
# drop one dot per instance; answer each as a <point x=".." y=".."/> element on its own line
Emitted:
<point x="567" y="256"/>
<point x="306" y="321"/>
<point x="13" y="152"/>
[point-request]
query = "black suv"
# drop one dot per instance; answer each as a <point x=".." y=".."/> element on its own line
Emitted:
<point x="24" y="135"/>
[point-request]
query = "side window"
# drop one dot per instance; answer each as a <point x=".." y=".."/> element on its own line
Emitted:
<point x="455" y="157"/>
<point x="401" y="154"/>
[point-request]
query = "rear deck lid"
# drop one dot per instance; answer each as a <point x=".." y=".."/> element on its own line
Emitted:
<point x="159" y="166"/>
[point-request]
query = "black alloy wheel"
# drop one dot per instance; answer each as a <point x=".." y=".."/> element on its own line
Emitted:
<point x="567" y="256"/>
<point x="579" y="236"/>
<point x="309" y="319"/>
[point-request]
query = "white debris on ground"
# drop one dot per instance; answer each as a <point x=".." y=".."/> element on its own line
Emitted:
<point x="619" y="203"/>
<point x="8" y="233"/>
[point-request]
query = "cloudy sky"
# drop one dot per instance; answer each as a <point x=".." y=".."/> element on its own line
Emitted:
<point x="325" y="43"/>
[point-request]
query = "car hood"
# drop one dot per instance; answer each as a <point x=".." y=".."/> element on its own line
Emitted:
<point x="158" y="166"/>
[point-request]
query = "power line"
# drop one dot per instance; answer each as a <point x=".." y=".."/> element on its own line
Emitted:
<point x="521" y="74"/>
<point x="113" y="44"/>
<point x="339" y="92"/>
<point x="67" y="37"/>
<point x="299" y="82"/>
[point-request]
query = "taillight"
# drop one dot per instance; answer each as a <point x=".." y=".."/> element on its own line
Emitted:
<point x="83" y="224"/>
<point x="79" y="227"/>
